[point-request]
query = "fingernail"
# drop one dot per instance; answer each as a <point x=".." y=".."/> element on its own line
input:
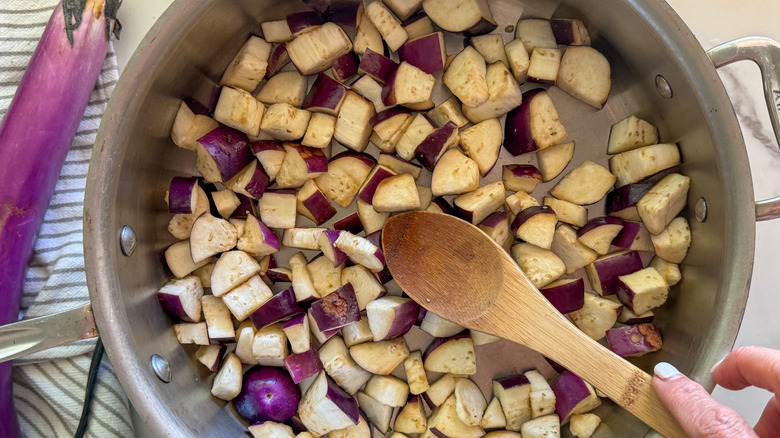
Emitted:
<point x="666" y="371"/>
<point x="712" y="370"/>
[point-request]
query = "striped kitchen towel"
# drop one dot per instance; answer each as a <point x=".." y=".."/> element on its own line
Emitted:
<point x="49" y="386"/>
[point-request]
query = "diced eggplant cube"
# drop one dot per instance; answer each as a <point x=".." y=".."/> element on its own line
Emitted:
<point x="192" y="333"/>
<point x="325" y="96"/>
<point x="278" y="308"/>
<point x="418" y="25"/>
<point x="444" y="421"/>
<point x="232" y="269"/>
<point x="466" y="77"/>
<point x="217" y="316"/>
<point x="390" y="317"/>
<point x="543" y="65"/>
<point x="521" y="177"/>
<point x="583" y="425"/>
<point x="248" y="67"/>
<point x="367" y="37"/>
<point x="245" y="298"/>
<point x="605" y="270"/>
<point x="536" y="225"/>
<point x="380" y="357"/>
<point x="270" y="346"/>
<point x="572" y="252"/>
<point x="540" y="265"/>
<point x="222" y="153"/>
<point x="426" y="52"/>
<point x="631" y="133"/>
<point x="178" y="258"/>
<point x="471" y="17"/>
<point x="325" y="407"/>
<point x="408" y="85"/>
<point x="634" y="340"/>
<point x="596" y="316"/>
<point x="412" y="417"/>
<point x="570" y="32"/>
<point x="303" y="365"/>
<point x="637" y="164"/>
<point x="188" y="127"/>
<point x="673" y="242"/>
<point x="520" y="201"/>
<point x="535" y="32"/>
<point x="643" y="290"/>
<point x="669" y="271"/>
<point x="339" y="365"/>
<point x="387" y="25"/>
<point x="315" y="51"/>
<point x="345" y="175"/>
<point x="548" y="426"/>
<point x="377" y="66"/>
<point x="278" y="208"/>
<point x="336" y="309"/>
<point x="554" y="159"/>
<point x="210" y="236"/>
<point x="287" y="87"/>
<point x="599" y="233"/>
<point x="451" y="355"/>
<point x="585" y="184"/>
<point x="238" y="109"/>
<point x="634" y="236"/>
<point x="227" y="382"/>
<point x="277" y="31"/>
<point x="662" y="203"/>
<point x="504" y="95"/>
<point x="584" y="74"/>
<point x="180" y="298"/>
<point x="283" y="121"/>
<point x="514" y="393"/>
<point x="533" y="125"/>
<point x="352" y="126"/>
<point x="477" y="205"/>
<point x="454" y="174"/>
<point x="566" y="295"/>
<point x="573" y="396"/>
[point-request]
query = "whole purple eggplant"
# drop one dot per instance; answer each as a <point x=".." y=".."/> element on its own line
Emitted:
<point x="34" y="139"/>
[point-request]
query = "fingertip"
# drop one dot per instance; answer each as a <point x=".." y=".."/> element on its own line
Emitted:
<point x="666" y="371"/>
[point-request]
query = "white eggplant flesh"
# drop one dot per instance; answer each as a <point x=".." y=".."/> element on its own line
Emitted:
<point x="228" y="381"/>
<point x="232" y="269"/>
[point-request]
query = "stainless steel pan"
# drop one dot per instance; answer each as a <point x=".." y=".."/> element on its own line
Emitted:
<point x="660" y="72"/>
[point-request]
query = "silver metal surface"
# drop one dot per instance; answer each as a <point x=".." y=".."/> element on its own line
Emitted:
<point x="185" y="54"/>
<point x="161" y="367"/>
<point x="127" y="240"/>
<point x="33" y="335"/>
<point x="663" y="87"/>
<point x="700" y="210"/>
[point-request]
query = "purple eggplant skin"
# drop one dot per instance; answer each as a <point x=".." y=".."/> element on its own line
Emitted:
<point x="424" y="53"/>
<point x="626" y="196"/>
<point x="517" y="131"/>
<point x="443" y="205"/>
<point x="229" y="148"/>
<point x="377" y="66"/>
<point x="180" y="194"/>
<point x="303" y="365"/>
<point x="336" y="309"/>
<point x="611" y="266"/>
<point x="513" y="381"/>
<point x="367" y="193"/>
<point x="376" y="238"/>
<point x="325" y="95"/>
<point x="278" y="59"/>
<point x="345" y="66"/>
<point x="566" y="297"/>
<point x="346" y="12"/>
<point x="430" y="150"/>
<point x="301" y="22"/>
<point x="569" y="390"/>
<point x="54" y="92"/>
<point x="482" y="27"/>
<point x="267" y="394"/>
<point x="628" y="234"/>
<point x="438" y="342"/>
<point x="349" y="223"/>
<point x="278" y="308"/>
<point x="597" y="222"/>
<point x="634" y="340"/>
<point x="319" y="207"/>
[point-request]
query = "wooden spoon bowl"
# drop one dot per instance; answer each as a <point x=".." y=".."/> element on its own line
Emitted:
<point x="453" y="269"/>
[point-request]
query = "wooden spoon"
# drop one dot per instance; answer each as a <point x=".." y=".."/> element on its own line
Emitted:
<point x="453" y="269"/>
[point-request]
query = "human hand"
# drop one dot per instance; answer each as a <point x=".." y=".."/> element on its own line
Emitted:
<point x="701" y="416"/>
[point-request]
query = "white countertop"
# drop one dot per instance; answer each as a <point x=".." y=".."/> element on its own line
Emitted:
<point x="713" y="22"/>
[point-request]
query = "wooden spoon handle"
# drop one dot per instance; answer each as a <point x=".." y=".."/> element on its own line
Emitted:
<point x="620" y="380"/>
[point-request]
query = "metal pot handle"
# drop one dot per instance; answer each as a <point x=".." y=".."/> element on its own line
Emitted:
<point x="765" y="52"/>
<point x="37" y="334"/>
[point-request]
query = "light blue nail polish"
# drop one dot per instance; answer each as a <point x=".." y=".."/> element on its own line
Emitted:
<point x="665" y="370"/>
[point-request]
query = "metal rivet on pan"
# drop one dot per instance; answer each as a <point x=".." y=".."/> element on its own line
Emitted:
<point x="509" y="28"/>
<point x="663" y="87"/>
<point x="700" y="210"/>
<point x="161" y="368"/>
<point x="127" y="240"/>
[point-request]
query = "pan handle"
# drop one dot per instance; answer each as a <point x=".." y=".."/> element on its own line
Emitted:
<point x="765" y="52"/>
<point x="33" y="335"/>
